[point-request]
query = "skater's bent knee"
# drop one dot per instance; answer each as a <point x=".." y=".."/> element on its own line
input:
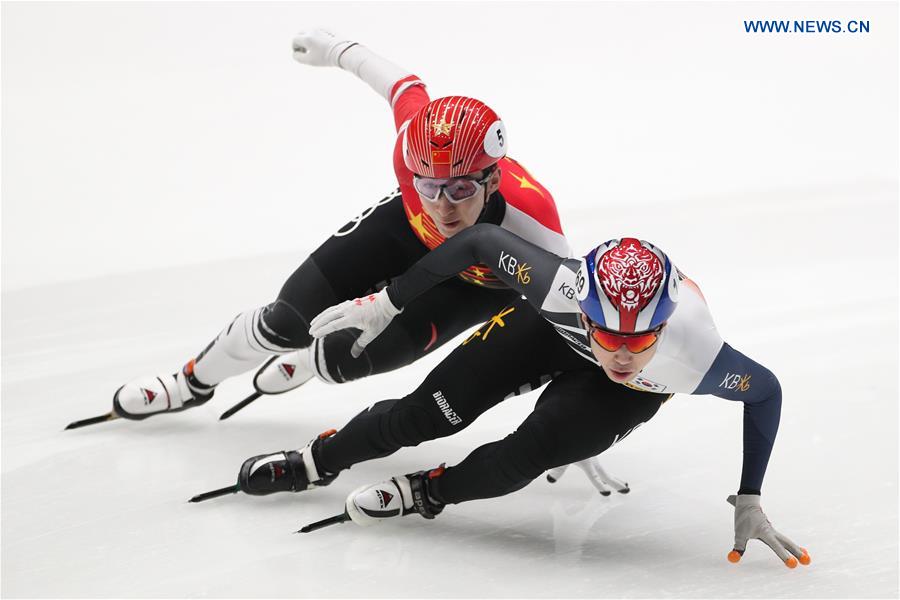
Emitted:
<point x="283" y="325"/>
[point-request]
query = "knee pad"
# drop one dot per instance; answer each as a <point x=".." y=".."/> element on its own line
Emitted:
<point x="332" y="360"/>
<point x="393" y="349"/>
<point x="248" y="336"/>
<point x="306" y="292"/>
<point x="282" y="325"/>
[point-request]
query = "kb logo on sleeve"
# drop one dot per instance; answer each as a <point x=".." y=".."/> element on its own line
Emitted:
<point x="511" y="265"/>
<point x="734" y="381"/>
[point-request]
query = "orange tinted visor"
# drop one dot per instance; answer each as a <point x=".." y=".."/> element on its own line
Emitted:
<point x="636" y="343"/>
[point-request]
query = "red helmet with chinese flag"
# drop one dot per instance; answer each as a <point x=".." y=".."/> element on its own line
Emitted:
<point x="453" y="136"/>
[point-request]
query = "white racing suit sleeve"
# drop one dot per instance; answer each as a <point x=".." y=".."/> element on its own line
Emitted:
<point x="321" y="48"/>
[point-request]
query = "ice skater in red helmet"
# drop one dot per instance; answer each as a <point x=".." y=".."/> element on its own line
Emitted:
<point x="451" y="164"/>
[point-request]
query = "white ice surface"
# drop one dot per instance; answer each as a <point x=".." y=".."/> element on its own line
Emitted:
<point x="805" y="282"/>
<point x="136" y="136"/>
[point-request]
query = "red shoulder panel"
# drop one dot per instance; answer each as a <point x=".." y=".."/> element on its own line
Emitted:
<point x="527" y="194"/>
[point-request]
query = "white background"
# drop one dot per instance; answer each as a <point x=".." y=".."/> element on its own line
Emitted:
<point x="149" y="135"/>
<point x="167" y="165"/>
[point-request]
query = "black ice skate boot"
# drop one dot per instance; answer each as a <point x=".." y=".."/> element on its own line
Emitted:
<point x="397" y="497"/>
<point x="285" y="471"/>
<point x="151" y="395"/>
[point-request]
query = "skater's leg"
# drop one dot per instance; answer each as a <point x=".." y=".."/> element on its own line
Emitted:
<point x="580" y="414"/>
<point x="476" y="376"/>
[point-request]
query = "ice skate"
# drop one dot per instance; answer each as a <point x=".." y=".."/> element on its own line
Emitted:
<point x="399" y="496"/>
<point x="284" y="372"/>
<point x="150" y="395"/>
<point x="285" y="471"/>
<point x="279" y="374"/>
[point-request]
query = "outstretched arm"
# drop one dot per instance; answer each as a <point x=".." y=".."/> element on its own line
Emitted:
<point x="321" y="48"/>
<point x="734" y="376"/>
<point x="523" y="266"/>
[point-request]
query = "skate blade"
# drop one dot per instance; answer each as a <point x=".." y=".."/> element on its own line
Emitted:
<point x="231" y="489"/>
<point x="91" y="421"/>
<point x="240" y="405"/>
<point x="335" y="520"/>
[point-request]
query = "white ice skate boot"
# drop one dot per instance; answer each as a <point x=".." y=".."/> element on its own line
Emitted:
<point x="150" y="395"/>
<point x="397" y="497"/>
<point x="281" y="373"/>
<point x="284" y="372"/>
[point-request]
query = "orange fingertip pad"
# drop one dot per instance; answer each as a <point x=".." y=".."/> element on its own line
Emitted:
<point x="804" y="560"/>
<point x="734" y="556"/>
<point x="791" y="562"/>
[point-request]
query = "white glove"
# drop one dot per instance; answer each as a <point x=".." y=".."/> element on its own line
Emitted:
<point x="319" y="48"/>
<point x="372" y="314"/>
<point x="750" y="522"/>
<point x="595" y="473"/>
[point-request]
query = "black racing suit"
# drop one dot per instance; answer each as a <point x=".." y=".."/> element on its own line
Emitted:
<point x="579" y="414"/>
<point x="360" y="258"/>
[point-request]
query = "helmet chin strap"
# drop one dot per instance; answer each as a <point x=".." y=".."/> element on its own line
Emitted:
<point x="483" y="209"/>
<point x="487" y="198"/>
